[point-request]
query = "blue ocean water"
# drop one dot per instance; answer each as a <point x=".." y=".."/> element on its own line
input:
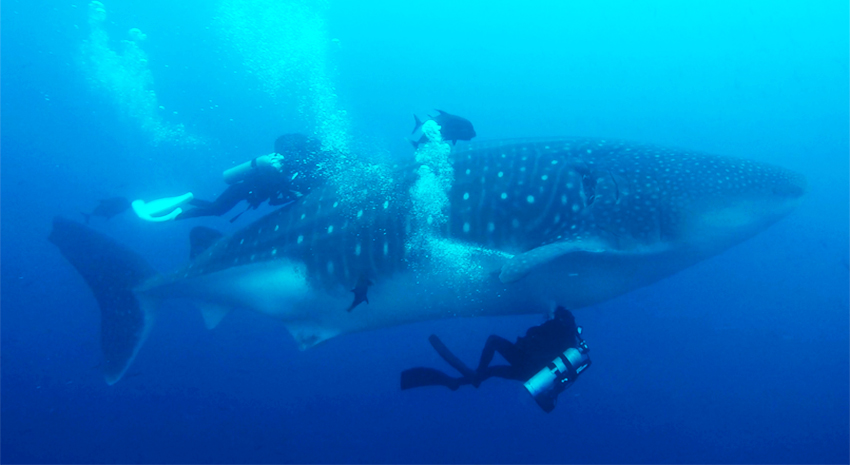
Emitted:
<point x="742" y="358"/>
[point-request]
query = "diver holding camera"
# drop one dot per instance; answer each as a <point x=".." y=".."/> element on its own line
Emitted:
<point x="548" y="360"/>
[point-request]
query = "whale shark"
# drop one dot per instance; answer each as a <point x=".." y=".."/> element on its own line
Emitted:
<point x="509" y="227"/>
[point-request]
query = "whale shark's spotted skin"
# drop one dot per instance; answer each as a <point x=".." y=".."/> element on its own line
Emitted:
<point x="566" y="189"/>
<point x="525" y="226"/>
<point x="511" y="196"/>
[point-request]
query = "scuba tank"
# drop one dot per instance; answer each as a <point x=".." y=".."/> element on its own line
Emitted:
<point x="558" y="375"/>
<point x="240" y="172"/>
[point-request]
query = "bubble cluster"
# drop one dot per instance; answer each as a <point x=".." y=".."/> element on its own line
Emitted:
<point x="123" y="75"/>
<point x="429" y="194"/>
<point x="364" y="185"/>
<point x="285" y="45"/>
<point x="454" y="262"/>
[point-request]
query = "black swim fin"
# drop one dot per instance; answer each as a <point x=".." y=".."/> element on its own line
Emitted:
<point x="421" y="376"/>
<point x="450" y="358"/>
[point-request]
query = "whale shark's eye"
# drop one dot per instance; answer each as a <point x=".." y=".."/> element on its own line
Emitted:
<point x="795" y="187"/>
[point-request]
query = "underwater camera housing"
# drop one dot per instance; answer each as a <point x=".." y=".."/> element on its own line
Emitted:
<point x="558" y="375"/>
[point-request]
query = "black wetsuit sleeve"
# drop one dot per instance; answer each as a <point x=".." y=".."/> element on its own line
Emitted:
<point x="280" y="198"/>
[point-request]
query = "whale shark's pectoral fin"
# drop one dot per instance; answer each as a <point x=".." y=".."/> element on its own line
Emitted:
<point x="522" y="264"/>
<point x="309" y="334"/>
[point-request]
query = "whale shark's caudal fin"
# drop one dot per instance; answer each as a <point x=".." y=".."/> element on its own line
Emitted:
<point x="111" y="271"/>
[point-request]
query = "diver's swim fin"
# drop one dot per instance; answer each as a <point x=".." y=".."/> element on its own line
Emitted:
<point x="421" y="376"/>
<point x="450" y="358"/>
<point x="161" y="209"/>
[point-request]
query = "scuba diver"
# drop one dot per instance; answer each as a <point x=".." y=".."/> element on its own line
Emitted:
<point x="279" y="178"/>
<point x="273" y="177"/>
<point x="548" y="359"/>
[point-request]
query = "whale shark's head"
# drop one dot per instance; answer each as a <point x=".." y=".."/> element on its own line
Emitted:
<point x="589" y="219"/>
<point x="522" y="194"/>
<point x="729" y="200"/>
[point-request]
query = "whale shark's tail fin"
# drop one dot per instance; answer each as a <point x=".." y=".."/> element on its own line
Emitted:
<point x="111" y="271"/>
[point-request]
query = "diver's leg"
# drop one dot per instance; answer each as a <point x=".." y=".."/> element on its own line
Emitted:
<point x="449" y="357"/>
<point x="228" y="199"/>
<point x="501" y="345"/>
<point x="200" y="203"/>
<point x="499" y="371"/>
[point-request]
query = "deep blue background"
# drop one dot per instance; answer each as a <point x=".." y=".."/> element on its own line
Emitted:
<point x="741" y="358"/>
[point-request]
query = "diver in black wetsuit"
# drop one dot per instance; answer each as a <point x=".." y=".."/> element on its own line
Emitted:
<point x="255" y="189"/>
<point x="280" y="178"/>
<point x="544" y="347"/>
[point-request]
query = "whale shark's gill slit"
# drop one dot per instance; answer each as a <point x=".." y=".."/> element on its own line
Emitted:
<point x="588" y="189"/>
<point x="616" y="187"/>
<point x="666" y="226"/>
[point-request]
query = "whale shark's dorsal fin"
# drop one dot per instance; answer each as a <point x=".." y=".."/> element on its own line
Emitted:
<point x="202" y="238"/>
<point x="309" y="334"/>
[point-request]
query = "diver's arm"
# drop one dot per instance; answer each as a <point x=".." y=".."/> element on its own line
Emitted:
<point x="279" y="199"/>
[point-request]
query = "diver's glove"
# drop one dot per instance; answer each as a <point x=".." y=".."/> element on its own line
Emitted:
<point x="162" y="209"/>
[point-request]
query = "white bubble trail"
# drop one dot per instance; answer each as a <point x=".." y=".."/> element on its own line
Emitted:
<point x="124" y="77"/>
